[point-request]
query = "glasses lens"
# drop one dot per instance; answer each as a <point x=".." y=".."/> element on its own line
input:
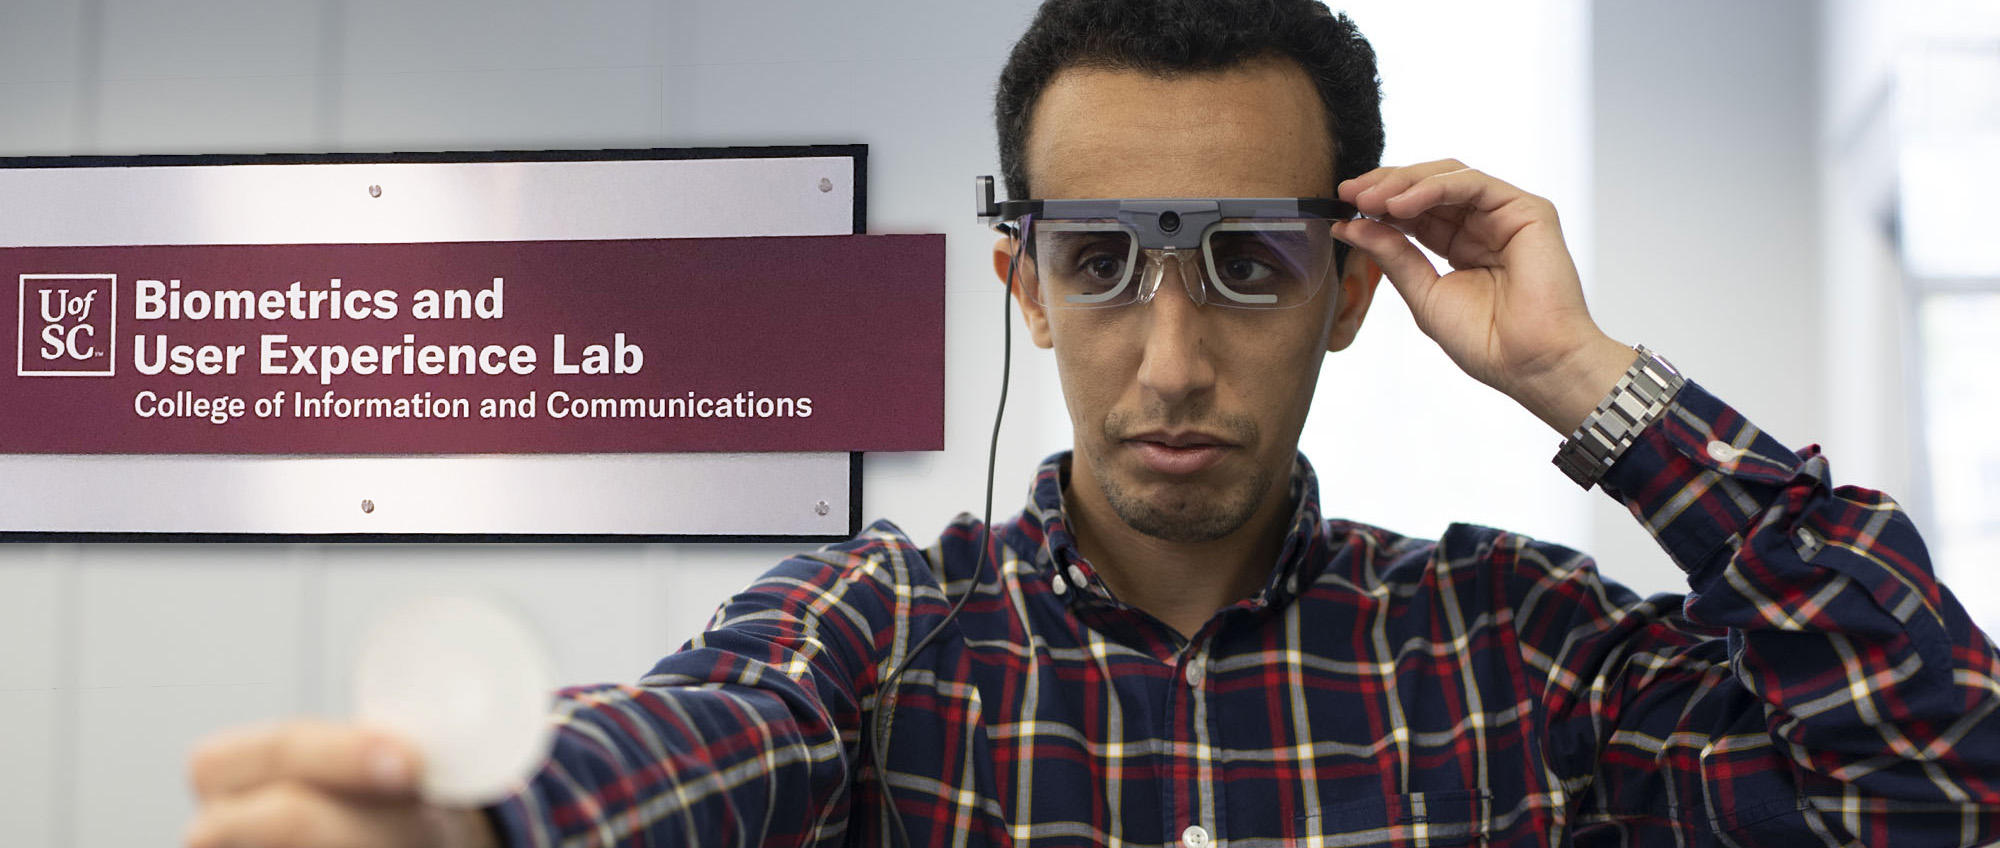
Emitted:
<point x="1084" y="263"/>
<point x="1264" y="263"/>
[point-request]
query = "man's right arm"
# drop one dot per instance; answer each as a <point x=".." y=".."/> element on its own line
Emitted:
<point x="750" y="735"/>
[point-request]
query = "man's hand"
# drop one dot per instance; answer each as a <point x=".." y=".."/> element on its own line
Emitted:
<point x="316" y="784"/>
<point x="1511" y="311"/>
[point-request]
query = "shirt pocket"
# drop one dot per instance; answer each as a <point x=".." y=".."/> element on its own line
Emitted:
<point x="1459" y="817"/>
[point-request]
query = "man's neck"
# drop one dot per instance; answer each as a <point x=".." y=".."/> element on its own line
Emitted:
<point x="1180" y="583"/>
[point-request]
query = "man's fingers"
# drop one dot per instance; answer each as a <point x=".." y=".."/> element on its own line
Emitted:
<point x="1463" y="187"/>
<point x="1439" y="189"/>
<point x="292" y="815"/>
<point x="1467" y="216"/>
<point x="1443" y="231"/>
<point x="1369" y="189"/>
<point x="1482" y="215"/>
<point x="1407" y="268"/>
<point x="333" y="756"/>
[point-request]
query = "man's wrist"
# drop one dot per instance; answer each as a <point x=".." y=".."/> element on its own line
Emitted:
<point x="1640" y="397"/>
<point x="1565" y="395"/>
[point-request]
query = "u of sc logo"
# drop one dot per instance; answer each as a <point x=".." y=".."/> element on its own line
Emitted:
<point x="68" y="325"/>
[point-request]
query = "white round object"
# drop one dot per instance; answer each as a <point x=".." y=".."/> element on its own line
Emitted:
<point x="1195" y="836"/>
<point x="469" y="685"/>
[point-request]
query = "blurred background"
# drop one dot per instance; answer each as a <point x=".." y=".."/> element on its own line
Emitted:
<point x="1792" y="200"/>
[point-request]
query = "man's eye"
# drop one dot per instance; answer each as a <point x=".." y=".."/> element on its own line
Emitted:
<point x="1102" y="268"/>
<point x="1244" y="270"/>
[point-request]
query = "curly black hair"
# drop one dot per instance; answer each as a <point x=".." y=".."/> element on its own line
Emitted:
<point x="1173" y="36"/>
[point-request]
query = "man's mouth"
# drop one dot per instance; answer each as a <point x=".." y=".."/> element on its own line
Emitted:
<point x="1178" y="452"/>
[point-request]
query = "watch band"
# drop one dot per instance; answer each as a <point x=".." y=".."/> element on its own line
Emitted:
<point x="1638" y="399"/>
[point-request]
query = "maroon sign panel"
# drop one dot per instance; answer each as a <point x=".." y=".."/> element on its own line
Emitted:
<point x="797" y="343"/>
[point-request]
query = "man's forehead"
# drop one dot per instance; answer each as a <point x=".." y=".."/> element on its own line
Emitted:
<point x="1252" y="130"/>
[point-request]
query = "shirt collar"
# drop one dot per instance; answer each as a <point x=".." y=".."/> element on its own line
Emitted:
<point x="1044" y="528"/>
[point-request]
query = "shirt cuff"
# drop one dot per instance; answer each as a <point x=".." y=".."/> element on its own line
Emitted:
<point x="1701" y="477"/>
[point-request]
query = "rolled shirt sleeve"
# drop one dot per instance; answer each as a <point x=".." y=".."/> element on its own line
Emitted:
<point x="1849" y="697"/>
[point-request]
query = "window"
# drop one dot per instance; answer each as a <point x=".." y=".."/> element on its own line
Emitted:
<point x="1948" y="121"/>
<point x="1961" y="418"/>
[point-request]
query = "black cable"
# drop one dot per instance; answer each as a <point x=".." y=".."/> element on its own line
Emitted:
<point x="881" y="748"/>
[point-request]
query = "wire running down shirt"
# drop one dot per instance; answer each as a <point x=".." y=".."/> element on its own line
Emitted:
<point x="1817" y="687"/>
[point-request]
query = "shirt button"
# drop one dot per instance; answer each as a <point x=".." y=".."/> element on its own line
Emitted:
<point x="1194" y="837"/>
<point x="1076" y="576"/>
<point x="1060" y="584"/>
<point x="1194" y="675"/>
<point x="1722" y="451"/>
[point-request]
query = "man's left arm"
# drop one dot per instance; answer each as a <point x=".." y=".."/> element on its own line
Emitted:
<point x="1881" y="697"/>
<point x="1873" y="680"/>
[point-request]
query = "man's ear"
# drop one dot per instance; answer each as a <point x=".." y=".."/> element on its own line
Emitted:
<point x="1357" y="290"/>
<point x="1033" y="313"/>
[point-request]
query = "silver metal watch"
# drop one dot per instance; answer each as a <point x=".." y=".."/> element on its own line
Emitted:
<point x="1638" y="399"/>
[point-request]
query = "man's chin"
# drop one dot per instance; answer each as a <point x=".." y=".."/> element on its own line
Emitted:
<point x="1182" y="510"/>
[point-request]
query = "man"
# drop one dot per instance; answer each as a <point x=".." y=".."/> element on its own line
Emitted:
<point x="1171" y="646"/>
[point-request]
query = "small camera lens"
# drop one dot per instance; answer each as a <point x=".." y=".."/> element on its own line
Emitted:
<point x="1170" y="221"/>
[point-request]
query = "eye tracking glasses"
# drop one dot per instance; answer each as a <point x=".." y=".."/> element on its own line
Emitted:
<point x="1238" y="252"/>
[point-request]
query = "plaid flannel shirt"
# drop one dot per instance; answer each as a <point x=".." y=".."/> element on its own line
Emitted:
<point x="1816" y="687"/>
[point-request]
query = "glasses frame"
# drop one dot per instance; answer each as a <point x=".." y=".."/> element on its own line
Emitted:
<point x="1161" y="227"/>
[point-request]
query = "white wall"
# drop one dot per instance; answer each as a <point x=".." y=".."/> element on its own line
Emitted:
<point x="1400" y="436"/>
<point x="1707" y="196"/>
<point x="1692" y="188"/>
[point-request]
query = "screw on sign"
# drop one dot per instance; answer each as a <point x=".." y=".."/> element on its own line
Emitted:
<point x="367" y="506"/>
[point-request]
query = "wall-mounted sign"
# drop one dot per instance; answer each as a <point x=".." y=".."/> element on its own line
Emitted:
<point x="651" y="344"/>
<point x="611" y="346"/>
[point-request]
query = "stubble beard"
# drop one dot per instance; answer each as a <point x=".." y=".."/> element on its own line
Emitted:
<point x="1183" y="514"/>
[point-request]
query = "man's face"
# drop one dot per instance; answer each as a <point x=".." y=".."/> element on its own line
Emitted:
<point x="1187" y="417"/>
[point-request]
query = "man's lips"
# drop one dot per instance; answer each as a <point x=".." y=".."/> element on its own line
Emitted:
<point x="1180" y="439"/>
<point x="1178" y="453"/>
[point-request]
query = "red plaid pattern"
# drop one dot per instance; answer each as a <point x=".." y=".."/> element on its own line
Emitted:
<point x="1816" y="687"/>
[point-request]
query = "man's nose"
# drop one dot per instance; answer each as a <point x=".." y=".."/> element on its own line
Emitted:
<point x="1177" y="360"/>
